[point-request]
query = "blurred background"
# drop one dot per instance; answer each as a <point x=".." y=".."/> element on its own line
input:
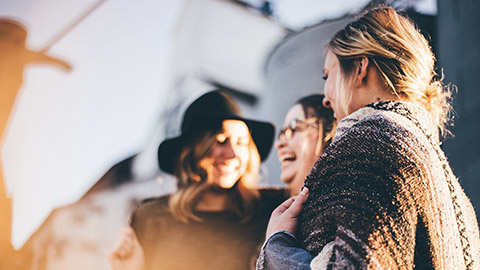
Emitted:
<point x="80" y="146"/>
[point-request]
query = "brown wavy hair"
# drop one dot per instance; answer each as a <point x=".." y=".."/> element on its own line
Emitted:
<point x="194" y="176"/>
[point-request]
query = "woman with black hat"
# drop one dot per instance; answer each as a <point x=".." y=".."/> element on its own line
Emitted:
<point x="217" y="218"/>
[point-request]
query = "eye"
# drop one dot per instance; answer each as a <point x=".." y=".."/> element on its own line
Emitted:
<point x="221" y="138"/>
<point x="243" y="141"/>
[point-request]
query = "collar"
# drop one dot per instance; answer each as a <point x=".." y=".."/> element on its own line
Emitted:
<point x="420" y="117"/>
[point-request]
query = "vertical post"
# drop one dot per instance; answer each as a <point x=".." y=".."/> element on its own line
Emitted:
<point x="5" y="220"/>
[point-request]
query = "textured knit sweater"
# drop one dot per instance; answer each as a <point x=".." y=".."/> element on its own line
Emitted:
<point x="220" y="241"/>
<point x="383" y="196"/>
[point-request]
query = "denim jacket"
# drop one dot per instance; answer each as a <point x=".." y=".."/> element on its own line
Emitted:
<point x="281" y="251"/>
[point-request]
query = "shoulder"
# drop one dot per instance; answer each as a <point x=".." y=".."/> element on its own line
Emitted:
<point x="380" y="140"/>
<point x="388" y="120"/>
<point x="152" y="207"/>
<point x="154" y="202"/>
<point x="370" y="140"/>
<point x="375" y="133"/>
<point x="374" y="122"/>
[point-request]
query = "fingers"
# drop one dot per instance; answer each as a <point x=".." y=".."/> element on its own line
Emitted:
<point x="284" y="217"/>
<point x="297" y="204"/>
<point x="125" y="244"/>
<point x="284" y="206"/>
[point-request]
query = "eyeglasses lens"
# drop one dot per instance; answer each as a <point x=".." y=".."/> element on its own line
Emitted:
<point x="296" y="125"/>
<point x="288" y="131"/>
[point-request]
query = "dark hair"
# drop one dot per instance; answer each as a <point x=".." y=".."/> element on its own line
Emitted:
<point x="312" y="106"/>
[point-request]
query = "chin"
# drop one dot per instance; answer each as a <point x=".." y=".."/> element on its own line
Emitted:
<point x="287" y="175"/>
<point x="227" y="183"/>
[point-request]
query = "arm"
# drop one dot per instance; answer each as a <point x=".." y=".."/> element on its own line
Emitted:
<point x="281" y="250"/>
<point x="363" y="198"/>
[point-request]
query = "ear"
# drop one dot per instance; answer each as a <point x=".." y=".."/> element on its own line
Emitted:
<point x="362" y="71"/>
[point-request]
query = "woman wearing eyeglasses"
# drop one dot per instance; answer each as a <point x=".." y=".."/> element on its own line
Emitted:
<point x="383" y="195"/>
<point x="309" y="127"/>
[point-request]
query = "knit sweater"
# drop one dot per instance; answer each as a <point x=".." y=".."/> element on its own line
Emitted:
<point x="219" y="241"/>
<point x="383" y="196"/>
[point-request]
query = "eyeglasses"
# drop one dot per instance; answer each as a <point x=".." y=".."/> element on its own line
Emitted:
<point x="297" y="125"/>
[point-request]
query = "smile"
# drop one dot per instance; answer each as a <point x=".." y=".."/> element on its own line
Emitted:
<point x="287" y="157"/>
<point x="227" y="168"/>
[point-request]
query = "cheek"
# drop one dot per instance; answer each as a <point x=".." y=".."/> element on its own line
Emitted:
<point x="295" y="144"/>
<point x="215" y="151"/>
<point x="313" y="145"/>
<point x="244" y="156"/>
<point x="330" y="89"/>
<point x="309" y="145"/>
<point x="307" y="148"/>
<point x="302" y="146"/>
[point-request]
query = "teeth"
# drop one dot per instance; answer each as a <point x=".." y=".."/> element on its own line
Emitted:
<point x="227" y="168"/>
<point x="286" y="156"/>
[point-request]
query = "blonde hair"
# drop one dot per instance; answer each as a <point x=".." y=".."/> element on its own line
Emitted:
<point x="194" y="178"/>
<point x="400" y="53"/>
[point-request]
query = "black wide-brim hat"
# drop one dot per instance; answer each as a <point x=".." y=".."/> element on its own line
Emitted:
<point x="206" y="113"/>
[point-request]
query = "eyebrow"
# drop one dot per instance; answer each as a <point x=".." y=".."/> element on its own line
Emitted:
<point x="232" y="134"/>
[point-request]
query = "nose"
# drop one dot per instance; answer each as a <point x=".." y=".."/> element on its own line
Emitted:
<point x="326" y="102"/>
<point x="229" y="151"/>
<point x="280" y="142"/>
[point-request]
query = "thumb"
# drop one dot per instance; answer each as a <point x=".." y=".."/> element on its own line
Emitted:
<point x="297" y="205"/>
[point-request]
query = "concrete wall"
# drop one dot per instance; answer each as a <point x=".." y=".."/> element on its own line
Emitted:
<point x="459" y="56"/>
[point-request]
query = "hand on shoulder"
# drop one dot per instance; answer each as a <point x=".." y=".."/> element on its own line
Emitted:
<point x="285" y="216"/>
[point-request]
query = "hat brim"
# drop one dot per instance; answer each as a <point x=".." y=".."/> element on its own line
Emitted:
<point x="262" y="134"/>
<point x="29" y="56"/>
<point x="169" y="152"/>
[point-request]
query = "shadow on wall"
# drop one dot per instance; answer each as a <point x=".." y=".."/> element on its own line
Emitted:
<point x="14" y="56"/>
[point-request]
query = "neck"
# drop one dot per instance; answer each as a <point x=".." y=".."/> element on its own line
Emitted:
<point x="385" y="96"/>
<point x="213" y="201"/>
<point x="374" y="90"/>
<point x="369" y="94"/>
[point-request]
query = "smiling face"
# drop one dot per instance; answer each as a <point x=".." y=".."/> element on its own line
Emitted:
<point x="330" y="71"/>
<point x="297" y="154"/>
<point x="230" y="153"/>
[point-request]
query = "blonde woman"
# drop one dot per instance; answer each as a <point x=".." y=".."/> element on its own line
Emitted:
<point x="309" y="127"/>
<point x="217" y="218"/>
<point x="383" y="195"/>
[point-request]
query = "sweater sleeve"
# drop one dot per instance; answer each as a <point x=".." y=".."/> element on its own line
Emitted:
<point x="360" y="199"/>
<point x="281" y="251"/>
